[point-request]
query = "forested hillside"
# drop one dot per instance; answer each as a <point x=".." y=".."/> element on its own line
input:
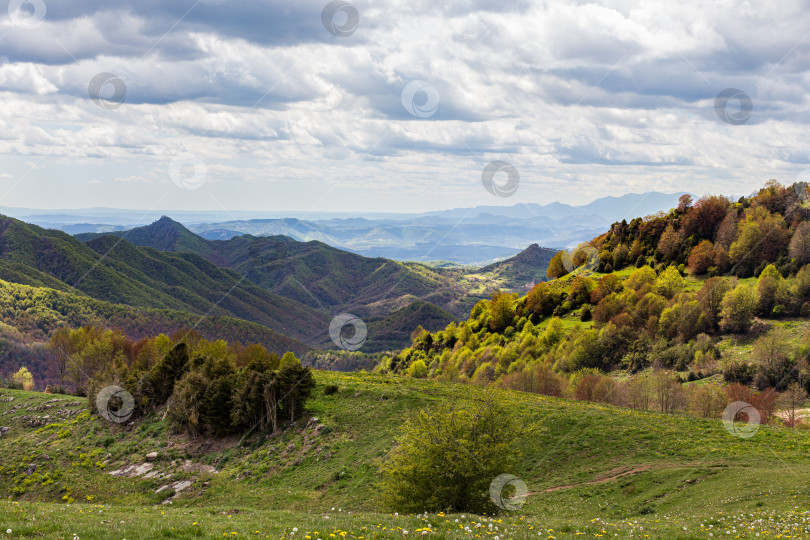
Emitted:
<point x="716" y="290"/>
<point x="29" y="315"/>
<point x="114" y="270"/>
<point x="313" y="273"/>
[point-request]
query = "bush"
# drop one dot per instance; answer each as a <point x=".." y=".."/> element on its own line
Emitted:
<point x="418" y="369"/>
<point x="446" y="458"/>
<point x="22" y="380"/>
<point x="585" y="314"/>
<point x="330" y="389"/>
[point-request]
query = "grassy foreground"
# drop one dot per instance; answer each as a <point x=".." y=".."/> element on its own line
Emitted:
<point x="593" y="471"/>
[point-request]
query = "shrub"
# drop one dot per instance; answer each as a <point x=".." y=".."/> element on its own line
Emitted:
<point x="330" y="389"/>
<point x="585" y="314"/>
<point x="446" y="458"/>
<point x="22" y="379"/>
<point x="418" y="369"/>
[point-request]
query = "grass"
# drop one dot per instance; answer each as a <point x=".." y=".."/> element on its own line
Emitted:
<point x="594" y="470"/>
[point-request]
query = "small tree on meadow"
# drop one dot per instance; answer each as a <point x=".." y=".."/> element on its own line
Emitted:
<point x="793" y="399"/>
<point x="669" y="393"/>
<point x="446" y="458"/>
<point x="23" y="379"/>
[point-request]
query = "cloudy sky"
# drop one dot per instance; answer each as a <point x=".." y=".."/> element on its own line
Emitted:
<point x="395" y="105"/>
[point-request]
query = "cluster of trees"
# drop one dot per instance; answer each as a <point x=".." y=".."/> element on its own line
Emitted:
<point x="646" y="320"/>
<point x="712" y="236"/>
<point x="207" y="386"/>
<point x="29" y="315"/>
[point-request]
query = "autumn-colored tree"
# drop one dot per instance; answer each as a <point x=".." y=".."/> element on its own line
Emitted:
<point x="791" y="400"/>
<point x="704" y="218"/>
<point x="62" y="347"/>
<point x="556" y="268"/>
<point x="773" y="353"/>
<point x="541" y="300"/>
<point x="800" y="243"/>
<point x="727" y="230"/>
<point x="774" y="197"/>
<point x="701" y="257"/>
<point x="607" y="308"/>
<point x="765" y="402"/>
<point x="707" y="400"/>
<point x="580" y="291"/>
<point x="537" y="379"/>
<point x="606" y="285"/>
<point x="668" y="391"/>
<point x="684" y="203"/>
<point x="640" y="391"/>
<point x="669" y="244"/>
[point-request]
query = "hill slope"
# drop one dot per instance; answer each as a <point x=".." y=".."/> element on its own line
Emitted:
<point x="685" y="478"/>
<point x="112" y="269"/>
<point x="525" y="269"/>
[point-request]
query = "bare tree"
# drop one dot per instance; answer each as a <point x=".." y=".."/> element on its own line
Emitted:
<point x="639" y="391"/>
<point x="800" y="243"/>
<point x="791" y="400"/>
<point x="669" y="392"/>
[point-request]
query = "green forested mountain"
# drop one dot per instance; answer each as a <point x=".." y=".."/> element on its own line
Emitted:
<point x="313" y="273"/>
<point x="114" y="270"/>
<point x="524" y="269"/>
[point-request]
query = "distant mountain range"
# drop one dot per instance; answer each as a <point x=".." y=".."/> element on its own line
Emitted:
<point x="469" y="236"/>
<point x="280" y="281"/>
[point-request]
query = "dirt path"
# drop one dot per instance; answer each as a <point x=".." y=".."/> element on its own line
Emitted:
<point x="609" y="476"/>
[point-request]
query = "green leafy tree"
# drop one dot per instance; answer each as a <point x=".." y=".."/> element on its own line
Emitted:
<point x="418" y="369"/>
<point x="710" y="298"/>
<point x="295" y="386"/>
<point x="289" y="360"/>
<point x="669" y="282"/>
<point x="23" y="379"/>
<point x="161" y="379"/>
<point x="502" y="311"/>
<point x="737" y="309"/>
<point x="556" y="267"/>
<point x="188" y="402"/>
<point x="643" y="276"/>
<point x="446" y="458"/>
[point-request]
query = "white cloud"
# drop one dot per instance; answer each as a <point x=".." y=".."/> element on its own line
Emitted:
<point x="585" y="99"/>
